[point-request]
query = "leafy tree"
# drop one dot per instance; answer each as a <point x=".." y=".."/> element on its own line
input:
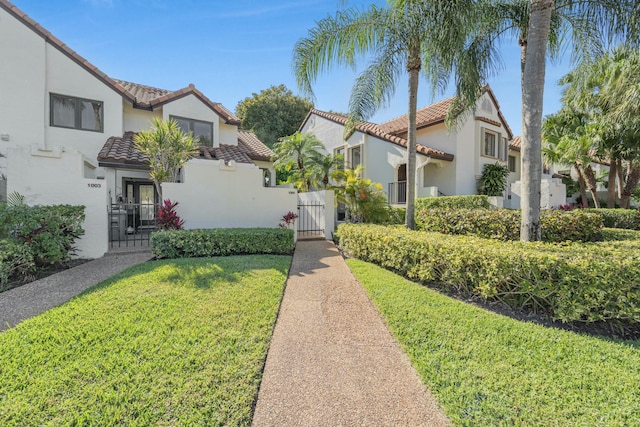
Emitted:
<point x="168" y="149"/>
<point x="295" y="154"/>
<point x="273" y="113"/>
<point x="411" y="36"/>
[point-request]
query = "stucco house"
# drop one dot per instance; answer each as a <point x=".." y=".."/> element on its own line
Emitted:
<point x="66" y="136"/>
<point x="449" y="162"/>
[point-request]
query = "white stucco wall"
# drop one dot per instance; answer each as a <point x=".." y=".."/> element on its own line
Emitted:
<point x="57" y="177"/>
<point x="22" y="83"/>
<point x="214" y="195"/>
<point x="136" y="119"/>
<point x="553" y="194"/>
<point x="65" y="77"/>
<point x="228" y="133"/>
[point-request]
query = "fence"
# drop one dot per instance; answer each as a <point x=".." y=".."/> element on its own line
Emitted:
<point x="397" y="193"/>
<point x="131" y="224"/>
<point x="311" y="218"/>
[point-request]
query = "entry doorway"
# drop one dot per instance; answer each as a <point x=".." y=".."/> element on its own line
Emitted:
<point x="402" y="184"/>
<point x="141" y="200"/>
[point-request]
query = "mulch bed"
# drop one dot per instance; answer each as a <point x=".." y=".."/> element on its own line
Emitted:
<point x="42" y="273"/>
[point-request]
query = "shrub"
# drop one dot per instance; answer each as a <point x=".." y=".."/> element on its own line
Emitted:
<point x="221" y="241"/>
<point x="48" y="231"/>
<point x="584" y="282"/>
<point x="167" y="218"/>
<point x="619" y="218"/>
<point x="453" y="202"/>
<point x="504" y="224"/>
<point x="493" y="180"/>
<point x="15" y="261"/>
<point x="365" y="201"/>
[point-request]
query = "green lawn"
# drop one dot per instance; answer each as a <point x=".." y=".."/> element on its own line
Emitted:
<point x="490" y="370"/>
<point x="178" y="342"/>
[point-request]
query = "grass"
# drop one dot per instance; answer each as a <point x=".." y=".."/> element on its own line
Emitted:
<point x="179" y="342"/>
<point x="486" y="369"/>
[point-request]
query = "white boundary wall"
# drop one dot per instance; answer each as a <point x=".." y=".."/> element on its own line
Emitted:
<point x="216" y="195"/>
<point x="55" y="177"/>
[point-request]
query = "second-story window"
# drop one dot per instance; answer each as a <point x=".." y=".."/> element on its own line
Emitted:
<point x="76" y="113"/>
<point x="200" y="129"/>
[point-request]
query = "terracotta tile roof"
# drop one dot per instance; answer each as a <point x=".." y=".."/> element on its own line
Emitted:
<point x="515" y="143"/>
<point x="140" y="95"/>
<point x="150" y="97"/>
<point x="425" y="116"/>
<point x="375" y="130"/>
<point x="120" y="151"/>
<point x="255" y="149"/>
<point x="436" y="113"/>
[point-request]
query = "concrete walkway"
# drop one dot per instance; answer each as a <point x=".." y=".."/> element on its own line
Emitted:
<point x="32" y="299"/>
<point x="332" y="360"/>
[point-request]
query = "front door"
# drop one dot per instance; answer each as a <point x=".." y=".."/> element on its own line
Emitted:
<point x="402" y="184"/>
<point x="141" y="203"/>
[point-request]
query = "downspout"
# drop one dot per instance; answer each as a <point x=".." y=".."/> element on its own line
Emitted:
<point x="47" y="106"/>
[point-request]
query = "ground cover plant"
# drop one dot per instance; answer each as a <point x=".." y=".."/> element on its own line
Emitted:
<point x="487" y="369"/>
<point x="173" y="342"/>
<point x="570" y="282"/>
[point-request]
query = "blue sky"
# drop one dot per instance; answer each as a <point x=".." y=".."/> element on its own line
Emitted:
<point x="231" y="49"/>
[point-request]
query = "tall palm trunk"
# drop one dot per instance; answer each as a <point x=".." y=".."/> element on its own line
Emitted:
<point x="590" y="178"/>
<point x="414" y="64"/>
<point x="583" y="186"/>
<point x="534" y="71"/>
<point x="633" y="177"/>
<point x="611" y="184"/>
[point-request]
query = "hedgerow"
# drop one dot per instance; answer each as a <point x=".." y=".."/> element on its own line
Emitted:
<point x="221" y="241"/>
<point x="619" y="218"/>
<point x="504" y="224"/>
<point x="453" y="202"/>
<point x="48" y="231"/>
<point x="585" y="282"/>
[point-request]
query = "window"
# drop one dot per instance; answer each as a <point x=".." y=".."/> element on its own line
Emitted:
<point x="355" y="157"/>
<point x="489" y="144"/>
<point x="76" y="113"/>
<point x="339" y="151"/>
<point x="266" y="177"/>
<point x="512" y="163"/>
<point x="200" y="129"/>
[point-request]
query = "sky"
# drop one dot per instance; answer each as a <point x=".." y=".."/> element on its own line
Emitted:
<point x="232" y="49"/>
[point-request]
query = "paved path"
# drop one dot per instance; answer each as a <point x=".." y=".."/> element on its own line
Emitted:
<point x="332" y="360"/>
<point x="32" y="299"/>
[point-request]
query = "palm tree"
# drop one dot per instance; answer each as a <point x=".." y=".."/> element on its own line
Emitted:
<point x="607" y="90"/>
<point x="411" y="36"/>
<point x="543" y="26"/>
<point x="168" y="149"/>
<point x="323" y="166"/>
<point x="295" y="155"/>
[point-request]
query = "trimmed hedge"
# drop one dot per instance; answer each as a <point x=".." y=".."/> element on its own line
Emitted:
<point x="504" y="224"/>
<point x="584" y="282"/>
<point x="48" y="231"/>
<point x="619" y="218"/>
<point x="453" y="202"/>
<point x="16" y="260"/>
<point x="221" y="241"/>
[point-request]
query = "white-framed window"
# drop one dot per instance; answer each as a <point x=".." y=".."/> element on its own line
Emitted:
<point x="489" y="143"/>
<point x="76" y="113"/>
<point x="199" y="128"/>
<point x="494" y="145"/>
<point x="512" y="163"/>
<point x="340" y="151"/>
<point x="355" y="156"/>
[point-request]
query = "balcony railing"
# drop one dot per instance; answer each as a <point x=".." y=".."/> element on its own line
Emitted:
<point x="397" y="193"/>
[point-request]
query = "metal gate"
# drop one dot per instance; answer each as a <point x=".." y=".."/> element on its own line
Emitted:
<point x="131" y="225"/>
<point x="311" y="219"/>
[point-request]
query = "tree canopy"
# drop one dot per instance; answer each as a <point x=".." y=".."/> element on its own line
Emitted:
<point x="273" y="113"/>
